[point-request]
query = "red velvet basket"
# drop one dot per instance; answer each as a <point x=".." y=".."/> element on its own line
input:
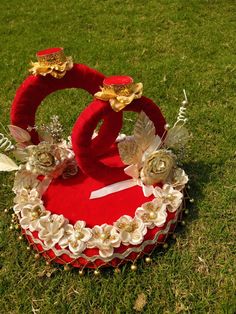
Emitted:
<point x="99" y="166"/>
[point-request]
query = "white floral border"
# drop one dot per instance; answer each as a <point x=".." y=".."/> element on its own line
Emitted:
<point x="74" y="239"/>
<point x="136" y="249"/>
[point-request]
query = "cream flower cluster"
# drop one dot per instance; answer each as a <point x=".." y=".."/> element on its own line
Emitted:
<point x="56" y="230"/>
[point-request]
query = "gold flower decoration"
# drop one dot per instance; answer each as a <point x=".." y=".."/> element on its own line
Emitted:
<point x="54" y="63"/>
<point x="158" y="167"/>
<point x="119" y="96"/>
<point x="48" y="159"/>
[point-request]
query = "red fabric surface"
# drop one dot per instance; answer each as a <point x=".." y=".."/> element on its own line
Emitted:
<point x="87" y="122"/>
<point x="36" y="88"/>
<point x="48" y="51"/>
<point x="118" y="80"/>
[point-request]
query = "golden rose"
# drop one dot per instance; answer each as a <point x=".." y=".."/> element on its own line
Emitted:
<point x="158" y="167"/>
<point x="47" y="159"/>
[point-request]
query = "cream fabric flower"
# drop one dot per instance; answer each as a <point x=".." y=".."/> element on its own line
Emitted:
<point x="153" y="214"/>
<point x="24" y="197"/>
<point x="48" y="159"/>
<point x="158" y="167"/>
<point x="105" y="238"/>
<point x="132" y="230"/>
<point x="31" y="215"/>
<point x="76" y="237"/>
<point x="52" y="229"/>
<point x="180" y="179"/>
<point x="25" y="180"/>
<point x="171" y="198"/>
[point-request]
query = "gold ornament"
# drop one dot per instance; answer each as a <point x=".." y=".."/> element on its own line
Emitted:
<point x="117" y="270"/>
<point x="119" y="96"/>
<point x="133" y="267"/>
<point x="66" y="267"/>
<point x="81" y="272"/>
<point x="37" y="256"/>
<point x="148" y="260"/>
<point x="97" y="272"/>
<point x="53" y="63"/>
<point x="158" y="167"/>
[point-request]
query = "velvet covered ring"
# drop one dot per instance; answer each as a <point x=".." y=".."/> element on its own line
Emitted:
<point x="35" y="89"/>
<point x="87" y="122"/>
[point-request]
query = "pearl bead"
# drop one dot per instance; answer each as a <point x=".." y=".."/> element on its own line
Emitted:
<point x="183" y="223"/>
<point x="133" y="267"/>
<point x="28" y="248"/>
<point x="148" y="259"/>
<point x="66" y="267"/>
<point x="37" y="256"/>
<point x="166" y="126"/>
<point x="96" y="272"/>
<point x="103" y="236"/>
<point x="81" y="272"/>
<point x="186" y="211"/>
<point x="20" y="237"/>
<point x="191" y="200"/>
<point x="184" y="102"/>
<point x="165" y="245"/>
<point x="5" y="210"/>
<point x="48" y="262"/>
<point x="152" y="215"/>
<point x="117" y="270"/>
<point x="17" y="227"/>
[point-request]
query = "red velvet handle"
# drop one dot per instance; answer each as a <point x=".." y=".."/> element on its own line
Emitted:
<point x="87" y="122"/>
<point x="35" y="88"/>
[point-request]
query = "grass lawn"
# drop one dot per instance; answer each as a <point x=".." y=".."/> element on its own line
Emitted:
<point x="168" y="45"/>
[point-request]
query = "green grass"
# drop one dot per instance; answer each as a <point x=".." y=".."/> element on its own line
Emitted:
<point x="167" y="45"/>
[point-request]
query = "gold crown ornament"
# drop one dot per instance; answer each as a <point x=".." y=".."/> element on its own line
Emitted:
<point x="120" y="91"/>
<point x="51" y="61"/>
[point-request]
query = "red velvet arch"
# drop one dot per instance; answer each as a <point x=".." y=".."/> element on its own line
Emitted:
<point x="36" y="88"/>
<point x="87" y="122"/>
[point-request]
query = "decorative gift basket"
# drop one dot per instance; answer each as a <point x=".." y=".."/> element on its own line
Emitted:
<point x="97" y="198"/>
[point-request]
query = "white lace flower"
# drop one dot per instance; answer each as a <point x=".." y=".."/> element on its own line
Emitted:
<point x="24" y="197"/>
<point x="171" y="197"/>
<point x="52" y="229"/>
<point x="76" y="237"/>
<point x="105" y="238"/>
<point x="31" y="215"/>
<point x="132" y="230"/>
<point x="179" y="179"/>
<point x="152" y="213"/>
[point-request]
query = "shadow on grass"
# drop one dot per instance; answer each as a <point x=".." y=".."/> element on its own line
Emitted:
<point x="200" y="173"/>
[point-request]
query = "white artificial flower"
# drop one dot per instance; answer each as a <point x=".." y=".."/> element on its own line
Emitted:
<point x="31" y="215"/>
<point x="179" y="179"/>
<point x="132" y="230"/>
<point x="171" y="197"/>
<point x="153" y="214"/>
<point x="76" y="237"/>
<point x="24" y="180"/>
<point x="52" y="229"/>
<point x="105" y="238"/>
<point x="24" y="197"/>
